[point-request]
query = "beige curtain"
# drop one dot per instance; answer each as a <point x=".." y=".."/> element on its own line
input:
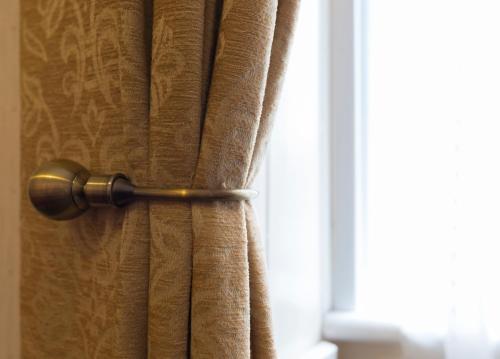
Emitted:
<point x="175" y="94"/>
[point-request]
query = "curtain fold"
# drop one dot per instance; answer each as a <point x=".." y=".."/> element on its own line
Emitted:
<point x="220" y="257"/>
<point x="175" y="94"/>
<point x="176" y="112"/>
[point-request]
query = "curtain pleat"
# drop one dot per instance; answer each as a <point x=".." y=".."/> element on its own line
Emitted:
<point x="132" y="279"/>
<point x="175" y="94"/>
<point x="220" y="286"/>
<point x="262" y="342"/>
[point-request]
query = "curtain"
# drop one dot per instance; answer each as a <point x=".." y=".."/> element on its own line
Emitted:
<point x="175" y="94"/>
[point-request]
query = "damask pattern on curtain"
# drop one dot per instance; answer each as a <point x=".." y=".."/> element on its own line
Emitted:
<point x="175" y="94"/>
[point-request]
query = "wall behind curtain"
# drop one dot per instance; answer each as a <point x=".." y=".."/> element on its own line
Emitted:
<point x="9" y="184"/>
<point x="84" y="84"/>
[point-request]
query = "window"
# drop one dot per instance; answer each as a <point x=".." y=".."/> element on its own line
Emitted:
<point x="432" y="145"/>
<point x="381" y="190"/>
<point x="416" y="181"/>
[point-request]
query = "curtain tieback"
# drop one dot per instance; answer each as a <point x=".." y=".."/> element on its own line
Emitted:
<point x="63" y="189"/>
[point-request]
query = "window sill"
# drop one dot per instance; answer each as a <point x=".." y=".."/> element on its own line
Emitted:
<point x="322" y="350"/>
<point x="353" y="327"/>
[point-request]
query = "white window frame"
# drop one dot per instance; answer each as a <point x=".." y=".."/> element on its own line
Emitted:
<point x="344" y="111"/>
<point x="347" y="145"/>
<point x="347" y="137"/>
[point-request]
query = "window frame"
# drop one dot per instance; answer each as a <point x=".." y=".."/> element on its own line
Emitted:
<point x="346" y="138"/>
<point x="347" y="146"/>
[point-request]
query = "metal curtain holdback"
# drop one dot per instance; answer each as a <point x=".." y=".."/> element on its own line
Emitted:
<point x="63" y="189"/>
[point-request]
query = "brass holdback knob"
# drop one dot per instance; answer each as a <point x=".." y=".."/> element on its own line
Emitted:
<point x="63" y="189"/>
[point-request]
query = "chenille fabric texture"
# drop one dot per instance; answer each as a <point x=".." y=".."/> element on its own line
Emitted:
<point x="175" y="94"/>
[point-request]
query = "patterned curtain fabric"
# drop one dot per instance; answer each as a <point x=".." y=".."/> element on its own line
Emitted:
<point x="175" y="94"/>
